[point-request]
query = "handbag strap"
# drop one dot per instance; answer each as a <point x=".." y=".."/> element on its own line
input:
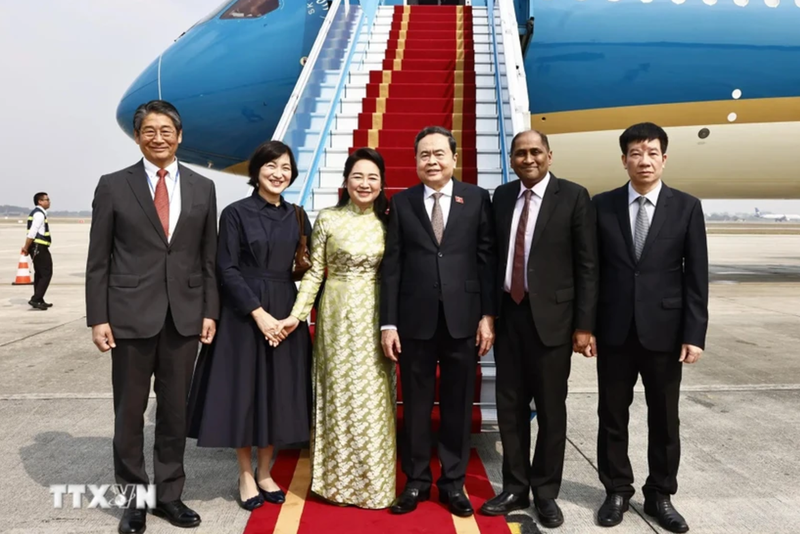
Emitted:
<point x="300" y="225"/>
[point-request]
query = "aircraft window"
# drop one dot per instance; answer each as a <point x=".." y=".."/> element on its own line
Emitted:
<point x="709" y="2"/>
<point x="737" y="94"/>
<point x="250" y="9"/>
<point x="731" y="117"/>
<point x="741" y="3"/>
<point x="772" y="3"/>
<point x="678" y="1"/>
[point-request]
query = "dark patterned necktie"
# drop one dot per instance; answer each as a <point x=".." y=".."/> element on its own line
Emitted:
<point x="518" y="270"/>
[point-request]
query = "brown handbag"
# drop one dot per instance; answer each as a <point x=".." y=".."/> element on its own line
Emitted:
<point x="302" y="257"/>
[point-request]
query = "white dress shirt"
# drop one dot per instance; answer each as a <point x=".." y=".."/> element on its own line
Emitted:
<point x="444" y="203"/>
<point x="649" y="206"/>
<point x="37" y="224"/>
<point x="172" y="181"/>
<point x="533" y="214"/>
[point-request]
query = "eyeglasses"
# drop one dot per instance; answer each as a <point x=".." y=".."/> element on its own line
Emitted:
<point x="167" y="134"/>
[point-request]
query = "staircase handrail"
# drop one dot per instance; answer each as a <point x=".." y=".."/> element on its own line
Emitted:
<point x="499" y="93"/>
<point x="308" y="69"/>
<point x="319" y="150"/>
<point x="515" y="68"/>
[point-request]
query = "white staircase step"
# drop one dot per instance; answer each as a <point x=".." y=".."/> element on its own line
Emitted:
<point x="336" y="157"/>
<point x="362" y="77"/>
<point x="483" y="65"/>
<point x="350" y="106"/>
<point x="344" y="139"/>
<point x="485" y="122"/>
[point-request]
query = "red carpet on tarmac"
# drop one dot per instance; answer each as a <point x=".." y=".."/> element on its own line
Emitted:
<point x="303" y="513"/>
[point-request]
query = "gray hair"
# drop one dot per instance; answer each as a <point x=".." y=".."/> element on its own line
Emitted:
<point x="156" y="106"/>
<point x="430" y="130"/>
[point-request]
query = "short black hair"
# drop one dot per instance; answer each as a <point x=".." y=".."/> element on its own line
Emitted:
<point x="430" y="130"/>
<point x="156" y="106"/>
<point x="644" y="131"/>
<point x="381" y="203"/>
<point x="37" y="197"/>
<point x="545" y="141"/>
<point x="266" y="152"/>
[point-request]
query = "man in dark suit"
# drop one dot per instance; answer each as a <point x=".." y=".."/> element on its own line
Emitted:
<point x="547" y="285"/>
<point x="151" y="294"/>
<point x="652" y="318"/>
<point x="438" y="300"/>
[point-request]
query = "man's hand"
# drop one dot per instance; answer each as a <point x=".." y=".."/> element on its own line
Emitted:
<point x="580" y="340"/>
<point x="209" y="329"/>
<point x="485" y="336"/>
<point x="24" y="251"/>
<point x="391" y="344"/>
<point x="690" y="353"/>
<point x="591" y="349"/>
<point x="102" y="337"/>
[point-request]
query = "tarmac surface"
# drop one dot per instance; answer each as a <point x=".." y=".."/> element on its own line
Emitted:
<point x="740" y="422"/>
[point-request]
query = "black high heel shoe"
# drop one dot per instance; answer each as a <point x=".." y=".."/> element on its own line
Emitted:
<point x="253" y="502"/>
<point x="274" y="497"/>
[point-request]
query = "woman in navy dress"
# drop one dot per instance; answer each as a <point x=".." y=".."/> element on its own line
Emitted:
<point x="249" y="390"/>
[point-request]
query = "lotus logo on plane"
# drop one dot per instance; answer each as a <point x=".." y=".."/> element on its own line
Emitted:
<point x="140" y="496"/>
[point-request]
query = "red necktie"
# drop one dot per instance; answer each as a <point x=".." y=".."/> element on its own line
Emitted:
<point x="162" y="200"/>
<point x="518" y="270"/>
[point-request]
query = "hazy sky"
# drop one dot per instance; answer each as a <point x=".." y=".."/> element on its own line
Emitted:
<point x="64" y="66"/>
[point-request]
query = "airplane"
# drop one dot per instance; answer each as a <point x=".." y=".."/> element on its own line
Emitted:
<point x="783" y="217"/>
<point x="722" y="77"/>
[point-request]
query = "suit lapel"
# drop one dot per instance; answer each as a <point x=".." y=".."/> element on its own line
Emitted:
<point x="186" y="184"/>
<point x="659" y="217"/>
<point x="624" y="218"/>
<point x="507" y="206"/>
<point x="137" y="179"/>
<point x="417" y="199"/>
<point x="456" y="209"/>
<point x="546" y="209"/>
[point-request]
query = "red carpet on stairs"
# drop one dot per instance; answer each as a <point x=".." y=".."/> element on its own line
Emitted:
<point x="428" y="79"/>
<point x="306" y="514"/>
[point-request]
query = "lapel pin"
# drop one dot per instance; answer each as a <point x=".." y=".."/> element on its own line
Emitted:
<point x="459" y="200"/>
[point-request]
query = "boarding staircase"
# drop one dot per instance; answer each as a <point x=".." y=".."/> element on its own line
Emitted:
<point x="380" y="73"/>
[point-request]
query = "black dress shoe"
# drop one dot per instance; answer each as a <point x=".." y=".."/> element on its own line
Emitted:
<point x="38" y="305"/>
<point x="668" y="517"/>
<point x="550" y="515"/>
<point x="408" y="500"/>
<point x="612" y="510"/>
<point x="177" y="513"/>
<point x="504" y="503"/>
<point x="457" y="503"/>
<point x="47" y="304"/>
<point x="253" y="502"/>
<point x="133" y="521"/>
<point x="274" y="497"/>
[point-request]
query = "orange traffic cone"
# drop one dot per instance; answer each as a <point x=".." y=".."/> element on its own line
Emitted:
<point x="23" y="272"/>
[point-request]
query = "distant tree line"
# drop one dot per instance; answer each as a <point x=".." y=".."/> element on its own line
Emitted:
<point x="17" y="211"/>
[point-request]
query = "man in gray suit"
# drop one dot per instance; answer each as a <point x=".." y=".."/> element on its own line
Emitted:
<point x="151" y="295"/>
